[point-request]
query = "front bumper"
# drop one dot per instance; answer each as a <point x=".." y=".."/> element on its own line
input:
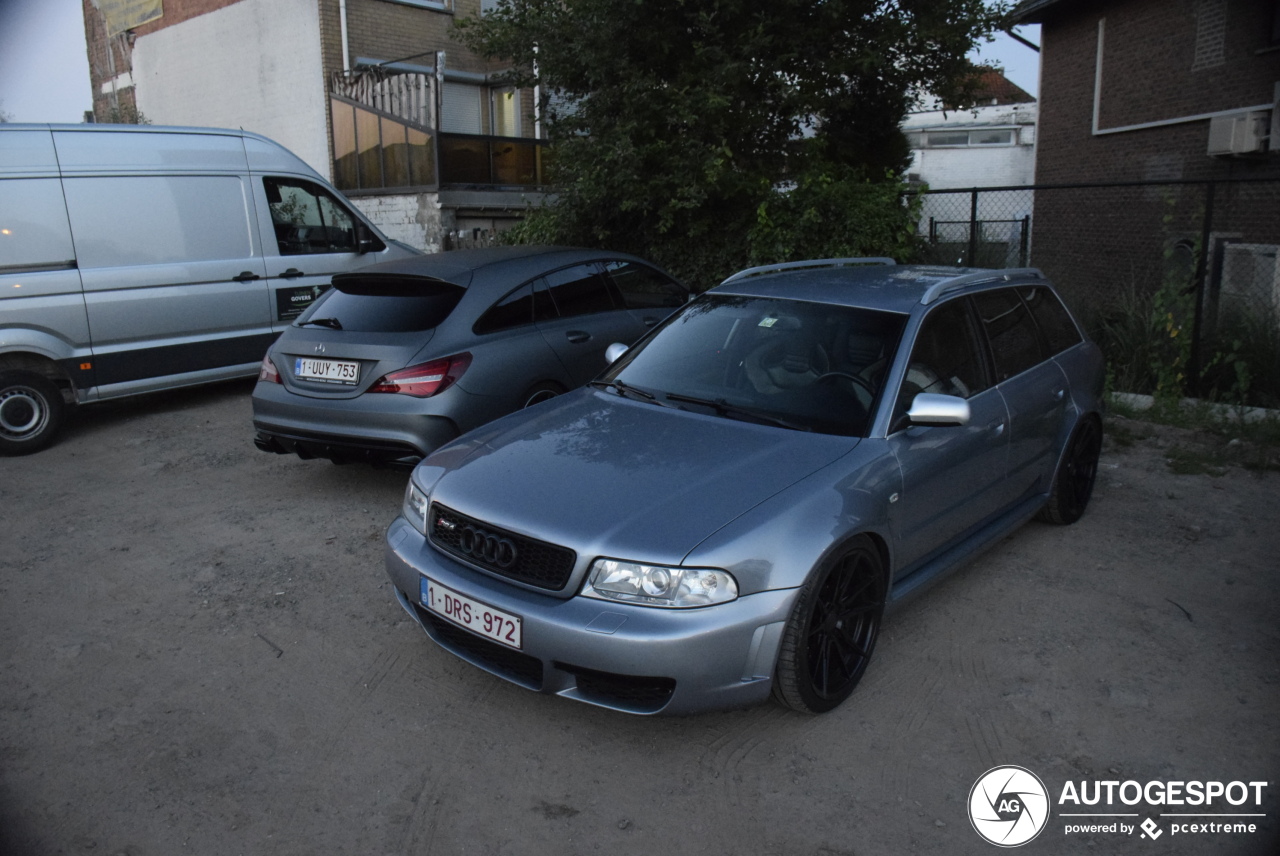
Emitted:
<point x="630" y="658"/>
<point x="345" y="430"/>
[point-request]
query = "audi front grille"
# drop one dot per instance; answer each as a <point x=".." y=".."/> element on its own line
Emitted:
<point x="498" y="551"/>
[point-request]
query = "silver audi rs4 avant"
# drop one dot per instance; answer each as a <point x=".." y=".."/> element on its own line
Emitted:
<point x="726" y="512"/>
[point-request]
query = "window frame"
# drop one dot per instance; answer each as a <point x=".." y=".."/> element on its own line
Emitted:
<point x="320" y="193"/>
<point x="978" y="336"/>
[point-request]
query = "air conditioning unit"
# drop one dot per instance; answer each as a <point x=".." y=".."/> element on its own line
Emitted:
<point x="1239" y="133"/>
<point x="1251" y="279"/>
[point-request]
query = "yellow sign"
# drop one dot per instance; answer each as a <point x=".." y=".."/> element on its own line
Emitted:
<point x="124" y="15"/>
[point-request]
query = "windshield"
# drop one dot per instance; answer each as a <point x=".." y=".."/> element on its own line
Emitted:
<point x="809" y="366"/>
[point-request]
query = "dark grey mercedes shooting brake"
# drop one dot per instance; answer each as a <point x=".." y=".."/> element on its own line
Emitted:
<point x="400" y="358"/>
<point x="726" y="512"/>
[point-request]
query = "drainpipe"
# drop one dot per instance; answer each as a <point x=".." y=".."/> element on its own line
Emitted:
<point x="346" y="51"/>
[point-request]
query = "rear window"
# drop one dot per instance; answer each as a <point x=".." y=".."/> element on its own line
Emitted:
<point x="384" y="304"/>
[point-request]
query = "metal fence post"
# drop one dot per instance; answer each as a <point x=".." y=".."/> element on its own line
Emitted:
<point x="1198" y="289"/>
<point x="973" y="228"/>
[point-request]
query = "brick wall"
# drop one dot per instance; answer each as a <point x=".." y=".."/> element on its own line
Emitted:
<point x="416" y="219"/>
<point x="386" y="30"/>
<point x="1163" y="59"/>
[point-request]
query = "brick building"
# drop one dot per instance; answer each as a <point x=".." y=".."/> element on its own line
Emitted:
<point x="377" y="95"/>
<point x="1163" y="96"/>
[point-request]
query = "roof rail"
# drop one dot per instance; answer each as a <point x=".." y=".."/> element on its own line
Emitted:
<point x="743" y="274"/>
<point x="983" y="276"/>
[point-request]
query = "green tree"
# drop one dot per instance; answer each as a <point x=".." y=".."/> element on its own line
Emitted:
<point x="712" y="133"/>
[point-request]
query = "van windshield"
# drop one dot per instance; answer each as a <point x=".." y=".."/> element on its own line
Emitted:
<point x="383" y="305"/>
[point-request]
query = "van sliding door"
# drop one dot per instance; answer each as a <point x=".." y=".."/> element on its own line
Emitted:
<point x="173" y="278"/>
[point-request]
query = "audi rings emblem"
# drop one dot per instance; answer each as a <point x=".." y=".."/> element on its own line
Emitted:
<point x="486" y="547"/>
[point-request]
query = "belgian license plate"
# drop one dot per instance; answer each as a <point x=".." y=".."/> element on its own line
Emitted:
<point x="329" y="371"/>
<point x="476" y="616"/>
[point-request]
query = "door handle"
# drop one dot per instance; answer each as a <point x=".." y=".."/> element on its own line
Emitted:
<point x="1059" y="394"/>
<point x="577" y="336"/>
<point x="292" y="273"/>
<point x="245" y="276"/>
<point x="996" y="428"/>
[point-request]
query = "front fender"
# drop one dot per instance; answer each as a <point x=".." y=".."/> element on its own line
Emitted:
<point x="779" y="542"/>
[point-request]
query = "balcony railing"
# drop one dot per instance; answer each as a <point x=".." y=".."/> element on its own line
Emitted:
<point x="468" y="160"/>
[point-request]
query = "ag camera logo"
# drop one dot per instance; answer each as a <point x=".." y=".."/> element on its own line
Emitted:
<point x="1008" y="806"/>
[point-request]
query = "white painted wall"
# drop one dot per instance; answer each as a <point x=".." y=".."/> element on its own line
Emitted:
<point x="976" y="166"/>
<point x="253" y="65"/>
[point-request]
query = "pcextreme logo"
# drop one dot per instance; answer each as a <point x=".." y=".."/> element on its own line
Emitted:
<point x="1009" y="806"/>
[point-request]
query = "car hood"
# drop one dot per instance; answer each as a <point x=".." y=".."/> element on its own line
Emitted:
<point x="616" y="477"/>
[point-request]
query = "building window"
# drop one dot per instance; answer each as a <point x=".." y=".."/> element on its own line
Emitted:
<point x="505" y="112"/>
<point x="461" y="108"/>
<point x="962" y="139"/>
<point x="438" y="5"/>
<point x="374" y="151"/>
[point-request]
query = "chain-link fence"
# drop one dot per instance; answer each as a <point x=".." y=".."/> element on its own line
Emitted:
<point x="1179" y="281"/>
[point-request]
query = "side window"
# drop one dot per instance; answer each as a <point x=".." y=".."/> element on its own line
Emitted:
<point x="946" y="357"/>
<point x="1059" y="331"/>
<point x="580" y="290"/>
<point x="33" y="225"/>
<point x="522" y="306"/>
<point x="643" y="287"/>
<point x="1015" y="345"/>
<point x="148" y="220"/>
<point x="307" y="219"/>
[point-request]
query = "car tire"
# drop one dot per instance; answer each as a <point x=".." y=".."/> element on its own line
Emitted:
<point x="541" y="392"/>
<point x="1076" y="474"/>
<point x="832" y="631"/>
<point x="31" y="412"/>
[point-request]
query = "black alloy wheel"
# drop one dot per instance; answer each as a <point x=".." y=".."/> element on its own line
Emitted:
<point x="832" y="632"/>
<point x="1077" y="472"/>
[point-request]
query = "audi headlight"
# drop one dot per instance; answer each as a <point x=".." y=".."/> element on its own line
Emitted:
<point x="416" y="503"/>
<point x="658" y="585"/>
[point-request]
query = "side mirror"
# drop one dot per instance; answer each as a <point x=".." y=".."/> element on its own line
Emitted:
<point x="932" y="409"/>
<point x="364" y="239"/>
<point x="613" y="352"/>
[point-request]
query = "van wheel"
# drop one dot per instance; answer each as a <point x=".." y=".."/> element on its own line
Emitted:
<point x="31" y="411"/>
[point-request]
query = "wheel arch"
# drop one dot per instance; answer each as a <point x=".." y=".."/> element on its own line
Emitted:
<point x="779" y="543"/>
<point x="43" y="365"/>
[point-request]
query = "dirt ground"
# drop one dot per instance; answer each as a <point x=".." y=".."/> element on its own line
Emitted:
<point x="200" y="653"/>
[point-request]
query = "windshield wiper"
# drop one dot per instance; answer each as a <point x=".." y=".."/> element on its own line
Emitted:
<point x="331" y="323"/>
<point x="624" y="389"/>
<point x="724" y="408"/>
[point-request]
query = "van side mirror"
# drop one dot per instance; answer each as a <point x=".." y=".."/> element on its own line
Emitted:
<point x="365" y="242"/>
<point x="929" y="408"/>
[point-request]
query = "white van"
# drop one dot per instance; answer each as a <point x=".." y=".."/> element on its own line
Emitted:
<point x="141" y="258"/>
